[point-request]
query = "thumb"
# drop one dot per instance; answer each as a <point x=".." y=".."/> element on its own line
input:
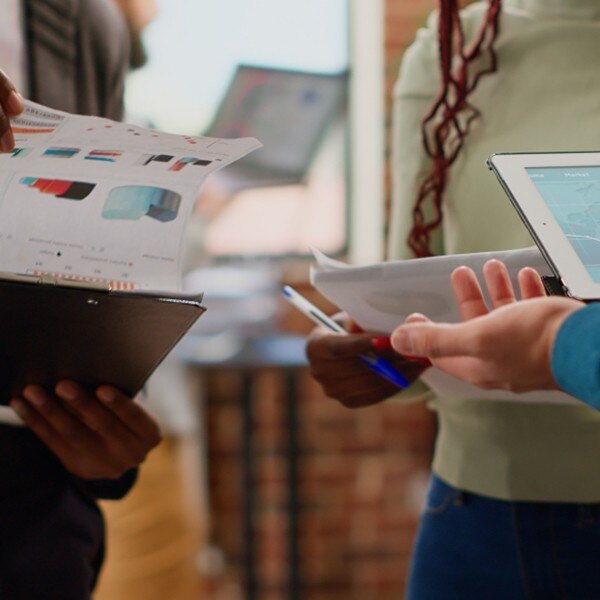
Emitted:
<point x="432" y="340"/>
<point x="354" y="327"/>
<point x="416" y="318"/>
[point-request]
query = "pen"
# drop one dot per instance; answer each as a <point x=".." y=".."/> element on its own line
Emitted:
<point x="378" y="365"/>
<point x="385" y="343"/>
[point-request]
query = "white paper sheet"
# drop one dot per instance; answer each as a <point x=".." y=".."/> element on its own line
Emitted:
<point x="379" y="298"/>
<point x="88" y="199"/>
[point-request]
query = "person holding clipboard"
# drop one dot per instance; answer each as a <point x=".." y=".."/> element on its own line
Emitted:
<point x="70" y="447"/>
<point x="513" y="483"/>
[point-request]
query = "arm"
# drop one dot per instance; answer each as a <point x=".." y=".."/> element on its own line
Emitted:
<point x="97" y="437"/>
<point x="100" y="440"/>
<point x="575" y="356"/>
<point x="511" y="347"/>
<point x="333" y="359"/>
<point x="334" y="363"/>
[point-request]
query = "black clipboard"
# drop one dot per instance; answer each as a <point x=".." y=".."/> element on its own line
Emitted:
<point x="53" y="330"/>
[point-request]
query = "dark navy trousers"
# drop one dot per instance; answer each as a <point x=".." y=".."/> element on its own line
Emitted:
<point x="474" y="548"/>
<point x="51" y="530"/>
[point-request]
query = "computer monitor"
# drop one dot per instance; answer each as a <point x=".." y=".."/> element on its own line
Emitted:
<point x="289" y="111"/>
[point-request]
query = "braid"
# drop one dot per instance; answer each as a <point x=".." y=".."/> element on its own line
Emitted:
<point x="449" y="120"/>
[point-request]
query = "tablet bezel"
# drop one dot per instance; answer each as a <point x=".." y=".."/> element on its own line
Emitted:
<point x="539" y="219"/>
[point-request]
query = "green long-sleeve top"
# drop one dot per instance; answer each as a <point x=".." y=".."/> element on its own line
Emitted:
<point x="544" y="97"/>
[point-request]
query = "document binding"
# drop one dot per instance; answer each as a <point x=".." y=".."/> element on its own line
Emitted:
<point x="52" y="280"/>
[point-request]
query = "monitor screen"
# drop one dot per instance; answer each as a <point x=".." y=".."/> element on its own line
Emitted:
<point x="288" y="111"/>
<point x="573" y="196"/>
<point x="197" y="79"/>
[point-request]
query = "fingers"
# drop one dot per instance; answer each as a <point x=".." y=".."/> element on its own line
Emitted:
<point x="326" y="346"/>
<point x="469" y="296"/>
<point x="63" y="422"/>
<point x="353" y="327"/>
<point x="7" y="140"/>
<point x="347" y="323"/>
<point x="11" y="105"/>
<point x="348" y="369"/>
<point x="435" y="340"/>
<point x="52" y="424"/>
<point x="531" y="284"/>
<point x="374" y="395"/>
<point x="11" y="100"/>
<point x="94" y="437"/>
<point x="359" y="391"/>
<point x="40" y="427"/>
<point x="131" y="415"/>
<point x="95" y="416"/>
<point x="499" y="285"/>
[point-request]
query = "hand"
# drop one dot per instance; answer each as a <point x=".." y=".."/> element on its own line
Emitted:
<point x="506" y="349"/>
<point x="11" y="105"/>
<point x="335" y="364"/>
<point x="139" y="13"/>
<point x="94" y="437"/>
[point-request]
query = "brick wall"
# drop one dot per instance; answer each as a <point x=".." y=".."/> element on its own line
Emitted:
<point x="362" y="472"/>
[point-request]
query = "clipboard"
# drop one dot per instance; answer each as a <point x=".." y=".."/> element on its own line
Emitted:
<point x="53" y="330"/>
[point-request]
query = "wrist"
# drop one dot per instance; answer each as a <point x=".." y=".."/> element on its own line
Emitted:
<point x="552" y="335"/>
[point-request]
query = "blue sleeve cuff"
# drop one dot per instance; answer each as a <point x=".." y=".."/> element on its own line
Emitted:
<point x="576" y="355"/>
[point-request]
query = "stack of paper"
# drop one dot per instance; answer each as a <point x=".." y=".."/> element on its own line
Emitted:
<point x="380" y="297"/>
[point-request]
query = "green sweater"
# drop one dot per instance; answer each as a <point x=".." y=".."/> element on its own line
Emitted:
<point x="545" y="97"/>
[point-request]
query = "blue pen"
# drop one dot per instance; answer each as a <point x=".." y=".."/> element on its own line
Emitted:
<point x="377" y="364"/>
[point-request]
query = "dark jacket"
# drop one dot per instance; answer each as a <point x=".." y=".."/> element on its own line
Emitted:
<point x="52" y="529"/>
<point x="78" y="56"/>
<point x="78" y="53"/>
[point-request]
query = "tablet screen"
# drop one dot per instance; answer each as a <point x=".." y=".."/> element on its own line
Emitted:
<point x="573" y="196"/>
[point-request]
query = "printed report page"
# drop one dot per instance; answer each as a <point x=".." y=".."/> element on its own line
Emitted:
<point x="91" y="200"/>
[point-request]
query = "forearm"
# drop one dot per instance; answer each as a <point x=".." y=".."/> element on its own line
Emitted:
<point x="576" y="355"/>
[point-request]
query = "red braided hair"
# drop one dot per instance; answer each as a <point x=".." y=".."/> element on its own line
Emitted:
<point x="449" y="120"/>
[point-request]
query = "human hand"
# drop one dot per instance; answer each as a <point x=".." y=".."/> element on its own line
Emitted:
<point x="139" y="13"/>
<point x="507" y="349"/>
<point x="94" y="437"/>
<point x="335" y="364"/>
<point x="11" y="105"/>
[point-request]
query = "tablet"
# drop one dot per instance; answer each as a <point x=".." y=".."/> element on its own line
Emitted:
<point x="557" y="195"/>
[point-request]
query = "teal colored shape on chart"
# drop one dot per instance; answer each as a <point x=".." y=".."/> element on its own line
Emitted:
<point x="132" y="202"/>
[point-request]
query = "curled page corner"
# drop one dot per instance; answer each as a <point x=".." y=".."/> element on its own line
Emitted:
<point x="326" y="263"/>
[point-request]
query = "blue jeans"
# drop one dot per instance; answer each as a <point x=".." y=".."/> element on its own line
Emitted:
<point x="472" y="547"/>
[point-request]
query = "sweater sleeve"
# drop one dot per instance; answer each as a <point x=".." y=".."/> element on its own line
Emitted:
<point x="576" y="355"/>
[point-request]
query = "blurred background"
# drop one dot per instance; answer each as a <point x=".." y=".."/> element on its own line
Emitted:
<point x="264" y="488"/>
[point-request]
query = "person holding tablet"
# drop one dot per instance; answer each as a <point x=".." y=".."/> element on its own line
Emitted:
<point x="513" y="483"/>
